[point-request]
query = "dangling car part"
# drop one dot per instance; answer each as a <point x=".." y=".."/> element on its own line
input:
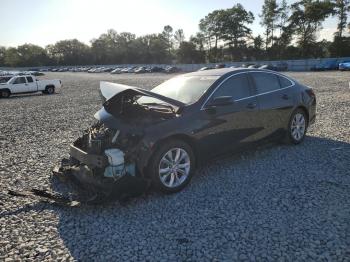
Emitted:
<point x="163" y="134"/>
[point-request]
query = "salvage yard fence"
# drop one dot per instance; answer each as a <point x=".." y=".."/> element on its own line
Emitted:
<point x="293" y="65"/>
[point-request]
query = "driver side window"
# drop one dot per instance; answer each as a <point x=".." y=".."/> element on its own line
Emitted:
<point x="19" y="80"/>
<point x="236" y="86"/>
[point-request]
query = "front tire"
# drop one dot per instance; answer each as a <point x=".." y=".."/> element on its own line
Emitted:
<point x="172" y="166"/>
<point x="5" y="93"/>
<point x="297" y="127"/>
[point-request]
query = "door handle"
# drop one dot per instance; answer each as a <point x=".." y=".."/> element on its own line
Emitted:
<point x="251" y="105"/>
<point x="285" y="97"/>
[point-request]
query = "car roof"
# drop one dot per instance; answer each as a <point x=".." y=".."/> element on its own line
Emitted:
<point x="224" y="71"/>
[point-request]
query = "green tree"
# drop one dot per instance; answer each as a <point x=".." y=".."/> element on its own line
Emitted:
<point x="32" y="55"/>
<point x="104" y="49"/>
<point x="69" y="52"/>
<point x="341" y="9"/>
<point x="306" y="19"/>
<point x="188" y="53"/>
<point x="234" y="30"/>
<point x="211" y="28"/>
<point x="285" y="34"/>
<point x="168" y="34"/>
<point x="12" y="57"/>
<point x="179" y="36"/>
<point x="2" y="55"/>
<point x="269" y="17"/>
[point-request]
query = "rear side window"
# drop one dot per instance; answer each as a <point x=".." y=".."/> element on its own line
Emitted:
<point x="30" y="79"/>
<point x="284" y="82"/>
<point x="20" y="80"/>
<point x="237" y="86"/>
<point x="265" y="82"/>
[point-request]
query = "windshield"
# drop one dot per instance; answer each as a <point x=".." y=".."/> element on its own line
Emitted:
<point x="186" y="89"/>
<point x="5" y="79"/>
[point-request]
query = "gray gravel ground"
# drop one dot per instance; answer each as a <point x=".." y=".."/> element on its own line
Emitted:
<point x="275" y="203"/>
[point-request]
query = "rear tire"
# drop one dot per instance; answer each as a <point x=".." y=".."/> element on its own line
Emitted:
<point x="297" y="127"/>
<point x="50" y="90"/>
<point x="172" y="166"/>
<point x="5" y="93"/>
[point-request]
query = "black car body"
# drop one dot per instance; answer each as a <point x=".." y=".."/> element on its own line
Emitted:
<point x="238" y="108"/>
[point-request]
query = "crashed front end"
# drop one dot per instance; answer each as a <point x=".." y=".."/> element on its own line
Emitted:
<point x="104" y="159"/>
<point x="96" y="161"/>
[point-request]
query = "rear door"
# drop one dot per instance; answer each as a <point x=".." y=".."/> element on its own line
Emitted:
<point x="19" y="85"/>
<point x="232" y="125"/>
<point x="31" y="84"/>
<point x="275" y="98"/>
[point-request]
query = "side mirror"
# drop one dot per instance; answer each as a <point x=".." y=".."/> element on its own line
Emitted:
<point x="220" y="101"/>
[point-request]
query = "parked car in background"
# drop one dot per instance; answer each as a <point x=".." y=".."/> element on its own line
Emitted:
<point x="116" y="71"/>
<point x="326" y="65"/>
<point x="254" y="66"/>
<point x="344" y="66"/>
<point x="220" y="66"/>
<point x="282" y="67"/>
<point x="28" y="84"/>
<point x="268" y="67"/>
<point x="140" y="70"/>
<point x="4" y="79"/>
<point x="156" y="69"/>
<point x="34" y="73"/>
<point x="205" y="68"/>
<point x="172" y="69"/>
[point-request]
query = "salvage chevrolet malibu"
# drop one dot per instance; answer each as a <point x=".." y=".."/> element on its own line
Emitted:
<point x="163" y="134"/>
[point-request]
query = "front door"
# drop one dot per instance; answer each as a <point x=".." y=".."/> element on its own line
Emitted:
<point x="234" y="124"/>
<point x="19" y="85"/>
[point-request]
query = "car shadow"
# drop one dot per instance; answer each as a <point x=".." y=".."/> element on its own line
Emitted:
<point x="255" y="192"/>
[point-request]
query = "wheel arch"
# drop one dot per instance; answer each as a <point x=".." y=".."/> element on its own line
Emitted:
<point x="185" y="138"/>
<point x="301" y="107"/>
<point x="5" y="89"/>
<point x="50" y="85"/>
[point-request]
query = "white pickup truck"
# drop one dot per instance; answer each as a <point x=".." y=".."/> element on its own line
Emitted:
<point x="27" y="84"/>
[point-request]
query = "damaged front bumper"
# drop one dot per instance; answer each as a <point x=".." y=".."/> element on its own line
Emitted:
<point x="91" y="160"/>
<point x="95" y="188"/>
<point x="96" y="172"/>
<point x="98" y="166"/>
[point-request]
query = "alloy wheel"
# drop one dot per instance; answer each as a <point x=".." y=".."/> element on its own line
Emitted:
<point x="298" y="126"/>
<point x="174" y="167"/>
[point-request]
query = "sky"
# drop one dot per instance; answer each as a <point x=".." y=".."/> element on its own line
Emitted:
<point x="44" y="22"/>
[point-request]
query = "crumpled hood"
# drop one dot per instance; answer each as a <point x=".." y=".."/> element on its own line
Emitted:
<point x="114" y="95"/>
<point x="111" y="92"/>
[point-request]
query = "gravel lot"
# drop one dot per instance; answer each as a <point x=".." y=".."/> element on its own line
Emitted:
<point x="278" y="202"/>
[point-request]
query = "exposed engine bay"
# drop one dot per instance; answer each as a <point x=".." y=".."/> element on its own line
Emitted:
<point x="106" y="154"/>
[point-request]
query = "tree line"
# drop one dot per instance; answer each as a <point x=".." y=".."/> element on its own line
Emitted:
<point x="290" y="32"/>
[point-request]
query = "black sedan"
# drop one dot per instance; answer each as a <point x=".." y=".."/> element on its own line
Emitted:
<point x="162" y="135"/>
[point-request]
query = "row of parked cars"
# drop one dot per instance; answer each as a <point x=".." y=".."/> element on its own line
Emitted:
<point x="332" y="65"/>
<point x="274" y="67"/>
<point x="119" y="69"/>
<point x="33" y="73"/>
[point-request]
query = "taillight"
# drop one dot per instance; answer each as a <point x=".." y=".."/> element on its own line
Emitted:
<point x="310" y="92"/>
